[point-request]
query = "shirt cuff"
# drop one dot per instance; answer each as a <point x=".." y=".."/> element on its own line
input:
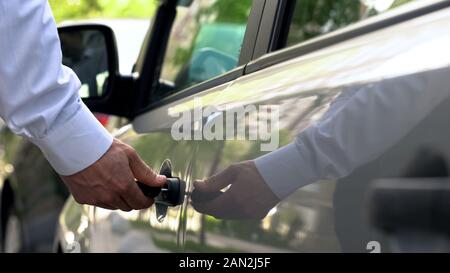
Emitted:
<point x="76" y="144"/>
<point x="281" y="170"/>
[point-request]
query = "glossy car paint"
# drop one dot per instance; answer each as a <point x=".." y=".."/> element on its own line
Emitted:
<point x="323" y="217"/>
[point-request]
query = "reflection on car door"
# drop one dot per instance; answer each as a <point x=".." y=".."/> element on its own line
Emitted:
<point x="209" y="48"/>
<point x="304" y="88"/>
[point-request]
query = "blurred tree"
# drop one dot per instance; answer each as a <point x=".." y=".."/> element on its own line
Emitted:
<point x="224" y="12"/>
<point x="84" y="9"/>
<point x="399" y="3"/>
<point x="312" y="18"/>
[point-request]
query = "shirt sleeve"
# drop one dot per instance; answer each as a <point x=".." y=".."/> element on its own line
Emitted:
<point x="38" y="95"/>
<point x="355" y="130"/>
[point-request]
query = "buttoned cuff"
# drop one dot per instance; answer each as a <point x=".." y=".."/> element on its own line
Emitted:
<point x="76" y="144"/>
<point x="283" y="170"/>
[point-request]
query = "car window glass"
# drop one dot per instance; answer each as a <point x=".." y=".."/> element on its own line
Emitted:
<point x="312" y="18"/>
<point x="205" y="42"/>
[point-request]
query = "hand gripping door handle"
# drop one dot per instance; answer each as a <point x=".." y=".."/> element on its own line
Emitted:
<point x="170" y="195"/>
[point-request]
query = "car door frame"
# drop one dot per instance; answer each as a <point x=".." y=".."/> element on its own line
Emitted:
<point x="152" y="62"/>
<point x="151" y="65"/>
<point x="272" y="35"/>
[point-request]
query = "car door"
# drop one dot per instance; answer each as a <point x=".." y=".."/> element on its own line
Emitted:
<point x="197" y="51"/>
<point x="301" y="83"/>
<point x="90" y="229"/>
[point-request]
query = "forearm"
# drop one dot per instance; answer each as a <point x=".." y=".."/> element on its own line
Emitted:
<point x="366" y="125"/>
<point x="38" y="95"/>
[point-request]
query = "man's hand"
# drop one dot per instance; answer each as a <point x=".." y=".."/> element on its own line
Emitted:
<point x="111" y="181"/>
<point x="248" y="197"/>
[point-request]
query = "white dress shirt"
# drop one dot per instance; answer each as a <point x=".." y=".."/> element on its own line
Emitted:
<point x="38" y="95"/>
<point x="360" y="126"/>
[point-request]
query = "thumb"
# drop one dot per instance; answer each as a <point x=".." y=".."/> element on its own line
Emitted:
<point x="143" y="172"/>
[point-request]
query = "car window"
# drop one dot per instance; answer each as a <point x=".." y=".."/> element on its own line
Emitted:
<point x="312" y="18"/>
<point x="205" y="42"/>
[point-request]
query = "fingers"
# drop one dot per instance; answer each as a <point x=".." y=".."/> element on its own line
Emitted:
<point x="225" y="206"/>
<point x="103" y="206"/>
<point x="139" y="170"/>
<point x="110" y="181"/>
<point x="112" y="201"/>
<point x="136" y="199"/>
<point x="210" y="188"/>
<point x="201" y="195"/>
<point x="121" y="204"/>
<point x="217" y="182"/>
<point x="218" y="207"/>
<point x="132" y="195"/>
<point x="144" y="173"/>
<point x="248" y="197"/>
<point x="228" y="206"/>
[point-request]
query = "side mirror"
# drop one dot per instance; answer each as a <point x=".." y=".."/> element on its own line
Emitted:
<point x="90" y="50"/>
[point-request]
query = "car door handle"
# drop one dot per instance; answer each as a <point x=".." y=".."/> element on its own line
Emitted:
<point x="399" y="204"/>
<point x="412" y="213"/>
<point x="171" y="194"/>
<point x="149" y="191"/>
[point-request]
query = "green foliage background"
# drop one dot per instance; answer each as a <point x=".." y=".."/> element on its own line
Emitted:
<point x="85" y="9"/>
<point x="312" y="18"/>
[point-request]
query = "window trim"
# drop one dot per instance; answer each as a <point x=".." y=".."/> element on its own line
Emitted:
<point x="251" y="32"/>
<point x="276" y="13"/>
<point x="152" y="53"/>
<point x="268" y="39"/>
<point x="203" y="86"/>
